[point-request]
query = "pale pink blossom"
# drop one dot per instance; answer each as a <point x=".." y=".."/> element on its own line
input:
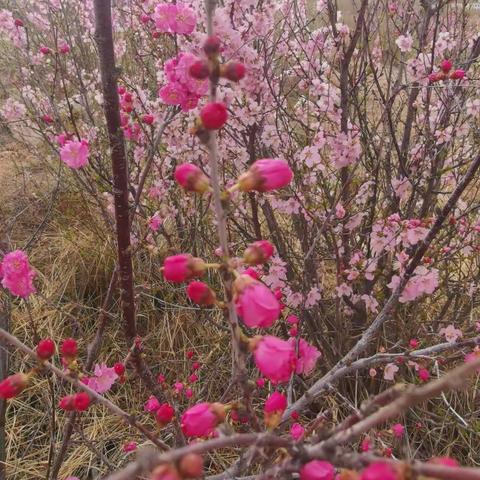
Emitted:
<point x="307" y="356"/>
<point x="389" y="372"/>
<point x="404" y="43"/>
<point x="451" y="333"/>
<point x="103" y="379"/>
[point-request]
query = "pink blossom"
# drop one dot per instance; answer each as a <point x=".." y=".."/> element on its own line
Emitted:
<point x="307" y="356"/>
<point x="182" y="20"/>
<point x="424" y="375"/>
<point x="255" y="303"/>
<point x="75" y="153"/>
<point x="17" y="275"/>
<point x="152" y="404"/>
<point x="172" y="94"/>
<point x="379" y="471"/>
<point x="182" y="267"/>
<point x="199" y="420"/>
<point x="451" y="333"/>
<point x="404" y="43"/>
<point x="339" y="211"/>
<point x="163" y="12"/>
<point x="317" y="470"/>
<point x="297" y="431"/>
<point x="389" y="371"/>
<point x="398" y="430"/>
<point x="155" y="222"/>
<point x="104" y="378"/>
<point x="275" y="358"/>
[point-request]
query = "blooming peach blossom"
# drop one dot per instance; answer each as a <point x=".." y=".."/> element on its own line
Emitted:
<point x="317" y="470"/>
<point x="75" y="154"/>
<point x="275" y="358"/>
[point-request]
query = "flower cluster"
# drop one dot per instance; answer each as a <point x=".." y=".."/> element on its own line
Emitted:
<point x="16" y="274"/>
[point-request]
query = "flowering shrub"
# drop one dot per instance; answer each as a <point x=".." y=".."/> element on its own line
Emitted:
<point x="303" y="181"/>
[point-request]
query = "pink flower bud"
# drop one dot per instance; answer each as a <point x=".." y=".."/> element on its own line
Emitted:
<point x="201" y="294"/>
<point x="275" y="358"/>
<point x="45" y="50"/>
<point x="148" y="119"/>
<point x="214" y="115"/>
<point x="121" y="90"/>
<point x="275" y="405"/>
<point x="191" y="178"/>
<point x="165" y="472"/>
<point x="211" y="47"/>
<point x="195" y="366"/>
<point x="457" y="74"/>
<point x="119" y="368"/>
<point x="258" y="252"/>
<point x="144" y="18"/>
<point x="201" y="420"/>
<point x="292" y="319"/>
<point x="317" y="470"/>
<point x="233" y="71"/>
<point x="199" y="70"/>
<point x="260" y="382"/>
<point x="64" y="48"/>
<point x="297" y="431"/>
<point x="18" y="22"/>
<point x="255" y="303"/>
<point x="69" y="348"/>
<point x="47" y="118"/>
<point x="78" y="402"/>
<point x="164" y="414"/>
<point x="183" y="267"/>
<point x="446" y="65"/>
<point x="413" y="343"/>
<point x="191" y="466"/>
<point x="379" y="471"/>
<point x="398" y="430"/>
<point x="13" y="385"/>
<point x="188" y="393"/>
<point x="45" y="348"/>
<point x="424" y="375"/>
<point x="265" y="175"/>
<point x="129" y="447"/>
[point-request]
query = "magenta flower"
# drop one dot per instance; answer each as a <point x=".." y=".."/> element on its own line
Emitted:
<point x="398" y="430"/>
<point x="317" y="470"/>
<point x="163" y="12"/>
<point x="74" y="154"/>
<point x="16" y="274"/>
<point x="172" y="94"/>
<point x="265" y="175"/>
<point x="255" y="303"/>
<point x="191" y="178"/>
<point x="379" y="471"/>
<point x="275" y="358"/>
<point x="199" y="420"/>
<point x="182" y="267"/>
<point x="152" y="404"/>
<point x="297" y="431"/>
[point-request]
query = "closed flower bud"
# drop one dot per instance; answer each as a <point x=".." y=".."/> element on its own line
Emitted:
<point x="214" y="115"/>
<point x="13" y="385"/>
<point x="191" y="178"/>
<point x="457" y="74"/>
<point x="69" y="348"/>
<point x="199" y="70"/>
<point x="255" y="303"/>
<point x="191" y="465"/>
<point x="18" y="22"/>
<point x="258" y="252"/>
<point x="446" y="66"/>
<point x="183" y="267"/>
<point x="119" y="368"/>
<point x="317" y="470"/>
<point x="265" y="175"/>
<point x="211" y="47"/>
<point x="165" y="472"/>
<point x="78" y="402"/>
<point x="164" y="414"/>
<point x="275" y="405"/>
<point x="148" y="119"/>
<point x="233" y="71"/>
<point x="45" y="50"/>
<point x="45" y="348"/>
<point x="202" y="419"/>
<point x="201" y="294"/>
